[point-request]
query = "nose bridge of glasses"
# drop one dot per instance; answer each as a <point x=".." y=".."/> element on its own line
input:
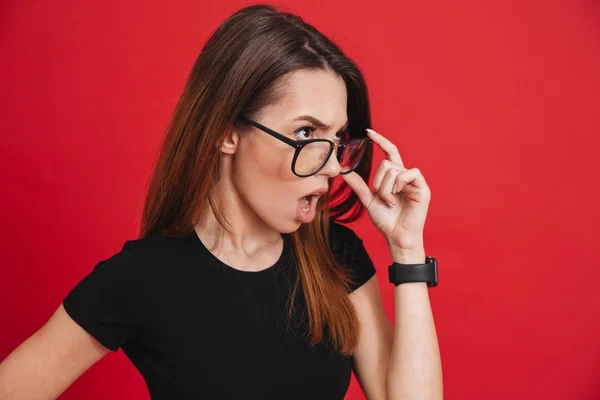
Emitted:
<point x="334" y="151"/>
<point x="337" y="146"/>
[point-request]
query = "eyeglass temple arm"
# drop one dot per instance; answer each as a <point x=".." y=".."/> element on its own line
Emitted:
<point x="285" y="139"/>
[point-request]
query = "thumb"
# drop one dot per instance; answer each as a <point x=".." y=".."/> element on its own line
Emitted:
<point x="358" y="185"/>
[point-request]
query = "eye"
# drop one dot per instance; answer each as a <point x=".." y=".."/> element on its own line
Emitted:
<point x="305" y="132"/>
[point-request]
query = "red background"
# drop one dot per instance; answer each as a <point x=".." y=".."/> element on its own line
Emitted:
<point x="497" y="103"/>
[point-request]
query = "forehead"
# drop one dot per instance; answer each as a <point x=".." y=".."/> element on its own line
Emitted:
<point x="321" y="94"/>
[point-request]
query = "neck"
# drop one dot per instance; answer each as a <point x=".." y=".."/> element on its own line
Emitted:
<point x="248" y="233"/>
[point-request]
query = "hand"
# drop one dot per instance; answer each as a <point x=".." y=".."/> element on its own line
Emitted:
<point x="400" y="199"/>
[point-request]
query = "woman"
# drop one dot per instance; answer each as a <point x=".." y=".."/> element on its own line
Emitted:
<point x="242" y="283"/>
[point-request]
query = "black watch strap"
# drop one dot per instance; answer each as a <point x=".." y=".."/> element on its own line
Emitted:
<point x="402" y="273"/>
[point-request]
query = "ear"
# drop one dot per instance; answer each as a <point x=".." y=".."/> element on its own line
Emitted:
<point x="230" y="142"/>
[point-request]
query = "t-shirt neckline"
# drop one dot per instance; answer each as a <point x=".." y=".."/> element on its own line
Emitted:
<point x="207" y="254"/>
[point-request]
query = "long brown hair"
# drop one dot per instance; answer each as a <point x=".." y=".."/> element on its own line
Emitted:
<point x="238" y="72"/>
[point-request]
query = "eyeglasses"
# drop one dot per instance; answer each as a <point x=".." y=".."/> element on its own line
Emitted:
<point x="312" y="154"/>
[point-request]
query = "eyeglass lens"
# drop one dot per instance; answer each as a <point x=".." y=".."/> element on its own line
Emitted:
<point x="315" y="154"/>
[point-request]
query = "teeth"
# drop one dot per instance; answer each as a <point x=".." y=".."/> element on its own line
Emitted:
<point x="304" y="204"/>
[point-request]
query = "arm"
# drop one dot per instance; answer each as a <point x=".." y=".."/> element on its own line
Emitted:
<point x="50" y="360"/>
<point x="400" y="362"/>
<point x="414" y="370"/>
<point x="398" y="208"/>
<point x="371" y="356"/>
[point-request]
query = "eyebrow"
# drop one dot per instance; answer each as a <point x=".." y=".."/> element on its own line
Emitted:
<point x="318" y="123"/>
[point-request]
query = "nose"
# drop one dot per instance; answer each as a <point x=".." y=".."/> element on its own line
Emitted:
<point x="332" y="167"/>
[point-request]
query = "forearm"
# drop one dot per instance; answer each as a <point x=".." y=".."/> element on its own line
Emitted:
<point x="414" y="369"/>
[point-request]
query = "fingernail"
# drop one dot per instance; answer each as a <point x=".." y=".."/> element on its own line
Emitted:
<point x="371" y="131"/>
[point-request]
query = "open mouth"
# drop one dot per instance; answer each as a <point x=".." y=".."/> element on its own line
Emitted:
<point x="305" y="202"/>
<point x="307" y="205"/>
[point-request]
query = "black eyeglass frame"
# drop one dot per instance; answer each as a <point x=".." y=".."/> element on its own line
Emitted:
<point x="299" y="145"/>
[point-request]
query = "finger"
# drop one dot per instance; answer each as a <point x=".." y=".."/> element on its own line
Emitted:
<point x="385" y="191"/>
<point x="420" y="182"/>
<point x="358" y="185"/>
<point x="411" y="177"/>
<point x="388" y="147"/>
<point x="381" y="171"/>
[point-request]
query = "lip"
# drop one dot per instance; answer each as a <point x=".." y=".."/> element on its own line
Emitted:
<point x="318" y="193"/>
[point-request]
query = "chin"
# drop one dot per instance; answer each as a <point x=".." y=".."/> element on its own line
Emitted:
<point x="291" y="227"/>
<point x="280" y="226"/>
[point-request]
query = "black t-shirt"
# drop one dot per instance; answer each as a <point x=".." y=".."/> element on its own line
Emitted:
<point x="197" y="328"/>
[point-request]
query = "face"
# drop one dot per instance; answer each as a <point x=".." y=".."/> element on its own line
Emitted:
<point x="261" y="165"/>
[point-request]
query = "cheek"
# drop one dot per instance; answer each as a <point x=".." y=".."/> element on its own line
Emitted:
<point x="263" y="173"/>
<point x="264" y="161"/>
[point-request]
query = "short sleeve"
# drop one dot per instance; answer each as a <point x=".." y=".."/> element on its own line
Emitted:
<point x="104" y="302"/>
<point x="350" y="252"/>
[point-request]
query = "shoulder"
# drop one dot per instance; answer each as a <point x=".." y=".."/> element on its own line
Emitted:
<point x="155" y="247"/>
<point x="138" y="255"/>
<point x="339" y="232"/>
<point x="157" y="256"/>
<point x="143" y="262"/>
<point x="343" y="240"/>
<point x="349" y="251"/>
<point x="342" y="237"/>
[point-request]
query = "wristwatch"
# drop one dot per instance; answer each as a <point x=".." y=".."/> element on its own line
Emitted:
<point x="402" y="273"/>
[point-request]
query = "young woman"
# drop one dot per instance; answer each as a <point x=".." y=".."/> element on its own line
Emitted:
<point x="242" y="283"/>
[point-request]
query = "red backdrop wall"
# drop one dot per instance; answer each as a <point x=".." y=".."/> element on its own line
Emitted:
<point x="496" y="102"/>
